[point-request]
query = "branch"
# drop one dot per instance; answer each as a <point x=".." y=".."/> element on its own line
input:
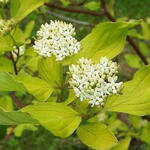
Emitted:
<point x="131" y="42"/>
<point x="74" y="10"/>
<point x="7" y="137"/>
<point x="14" y="63"/>
<point x="70" y="19"/>
<point x="12" y="94"/>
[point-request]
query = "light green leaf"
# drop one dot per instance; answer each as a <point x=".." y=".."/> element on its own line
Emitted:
<point x="123" y="144"/>
<point x="29" y="28"/>
<point x="133" y="61"/>
<point x="106" y="39"/>
<point x="25" y="7"/>
<point x="96" y="136"/>
<point x="50" y="71"/>
<point x="58" y="118"/>
<point x="92" y="5"/>
<point x="20" y="128"/>
<point x="145" y="136"/>
<point x="136" y="95"/>
<point x="6" y="103"/>
<point x="6" y="43"/>
<point x="110" y="7"/>
<point x="14" y="6"/>
<point x="6" y="64"/>
<point x="71" y="97"/>
<point x="37" y="87"/>
<point x="18" y="35"/>
<point x="146" y="30"/>
<point x="8" y="83"/>
<point x="144" y="49"/>
<point x="15" y="117"/>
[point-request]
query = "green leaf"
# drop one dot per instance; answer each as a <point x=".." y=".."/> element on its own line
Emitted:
<point x="6" y="64"/>
<point x="8" y="83"/>
<point x="15" y="117"/>
<point x="37" y="87"/>
<point x="145" y="136"/>
<point x="92" y="5"/>
<point x="146" y="30"/>
<point x="18" y="35"/>
<point x="144" y="49"/>
<point x="6" y="43"/>
<point x="58" y="118"/>
<point x="20" y="128"/>
<point x="6" y="103"/>
<point x="96" y="136"/>
<point x="25" y="7"/>
<point x="136" y="95"/>
<point x="123" y="144"/>
<point x="29" y="28"/>
<point x="133" y="61"/>
<point x="14" y="6"/>
<point x="106" y="39"/>
<point x="50" y="71"/>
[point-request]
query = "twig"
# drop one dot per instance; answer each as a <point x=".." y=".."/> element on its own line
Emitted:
<point x="74" y="10"/>
<point x="14" y="63"/>
<point x="131" y="42"/>
<point x="70" y="19"/>
<point x="7" y="137"/>
<point x="12" y="94"/>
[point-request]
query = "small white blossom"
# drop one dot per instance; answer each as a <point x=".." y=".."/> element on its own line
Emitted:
<point x="57" y="39"/>
<point x="18" y="51"/>
<point x="6" y="26"/>
<point x="94" y="82"/>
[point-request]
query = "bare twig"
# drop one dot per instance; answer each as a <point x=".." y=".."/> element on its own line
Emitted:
<point x="12" y="94"/>
<point x="131" y="42"/>
<point x="74" y="10"/>
<point x="70" y="19"/>
<point x="7" y="137"/>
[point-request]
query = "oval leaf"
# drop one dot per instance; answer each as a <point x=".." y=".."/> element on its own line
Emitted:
<point x="97" y="136"/>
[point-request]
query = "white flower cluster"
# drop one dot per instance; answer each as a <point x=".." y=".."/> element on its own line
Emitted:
<point x="94" y="82"/>
<point x="4" y="1"/>
<point x="6" y="26"/>
<point x="57" y="39"/>
<point x="18" y="51"/>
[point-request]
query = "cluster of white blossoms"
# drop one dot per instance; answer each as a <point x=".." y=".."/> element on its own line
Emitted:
<point x="4" y="1"/>
<point x="57" y="39"/>
<point x="18" y="51"/>
<point x="6" y="26"/>
<point x="94" y="82"/>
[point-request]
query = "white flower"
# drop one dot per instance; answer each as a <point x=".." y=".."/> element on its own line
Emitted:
<point x="94" y="82"/>
<point x="57" y="39"/>
<point x="18" y="51"/>
<point x="6" y="26"/>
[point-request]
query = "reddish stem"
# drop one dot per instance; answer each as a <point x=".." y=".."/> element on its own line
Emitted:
<point x="7" y="137"/>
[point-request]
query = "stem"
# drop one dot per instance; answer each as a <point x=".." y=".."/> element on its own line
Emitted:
<point x="14" y="63"/>
<point x="131" y="42"/>
<point x="74" y="10"/>
<point x="7" y="138"/>
<point x="12" y="94"/>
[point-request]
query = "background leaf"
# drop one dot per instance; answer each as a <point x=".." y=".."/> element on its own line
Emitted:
<point x="8" y="83"/>
<point x="58" y="118"/>
<point x="15" y="117"/>
<point x="96" y="136"/>
<point x="106" y="39"/>
<point x="136" y="95"/>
